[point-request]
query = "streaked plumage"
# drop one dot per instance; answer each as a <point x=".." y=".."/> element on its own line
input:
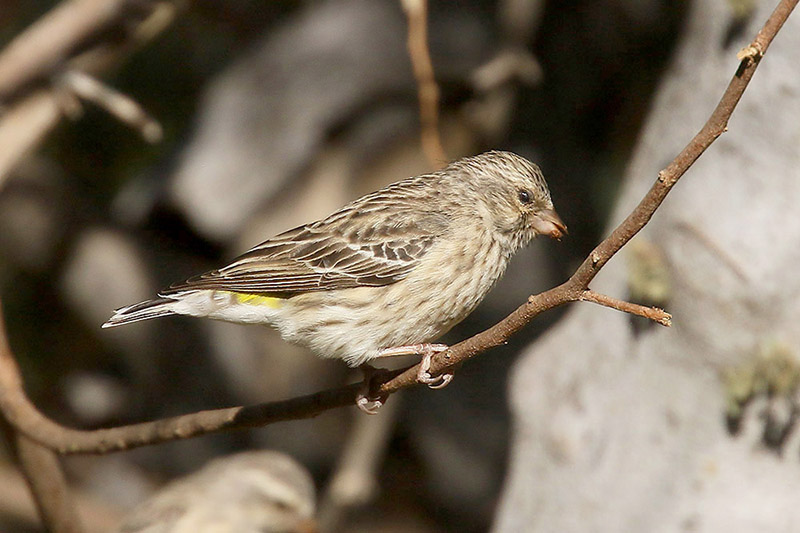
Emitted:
<point x="396" y="267"/>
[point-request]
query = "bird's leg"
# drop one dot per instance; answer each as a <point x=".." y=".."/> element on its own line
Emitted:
<point x="424" y="375"/>
<point x="367" y="400"/>
<point x="426" y="351"/>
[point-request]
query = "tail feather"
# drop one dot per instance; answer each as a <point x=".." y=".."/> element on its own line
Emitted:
<point x="141" y="311"/>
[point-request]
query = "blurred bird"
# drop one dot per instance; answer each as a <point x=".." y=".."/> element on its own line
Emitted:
<point x="251" y="492"/>
<point x="385" y="275"/>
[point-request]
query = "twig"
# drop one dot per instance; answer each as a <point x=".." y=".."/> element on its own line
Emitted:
<point x="24" y="416"/>
<point x="46" y="482"/>
<point x="15" y="499"/>
<point x="42" y="470"/>
<point x="123" y="107"/>
<point x="653" y="313"/>
<point x="417" y="13"/>
<point x="509" y="64"/>
<point x="49" y="486"/>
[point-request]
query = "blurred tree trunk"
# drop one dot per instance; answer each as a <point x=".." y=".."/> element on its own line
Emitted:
<point x="626" y="430"/>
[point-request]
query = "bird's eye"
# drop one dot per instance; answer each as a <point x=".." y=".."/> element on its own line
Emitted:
<point x="525" y="197"/>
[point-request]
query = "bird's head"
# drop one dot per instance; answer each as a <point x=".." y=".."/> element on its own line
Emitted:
<point x="515" y="194"/>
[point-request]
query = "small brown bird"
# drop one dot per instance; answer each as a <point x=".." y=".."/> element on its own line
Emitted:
<point x="386" y="274"/>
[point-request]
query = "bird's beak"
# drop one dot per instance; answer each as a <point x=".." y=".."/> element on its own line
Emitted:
<point x="547" y="222"/>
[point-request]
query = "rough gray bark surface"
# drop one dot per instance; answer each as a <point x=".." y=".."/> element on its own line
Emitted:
<point x="625" y="432"/>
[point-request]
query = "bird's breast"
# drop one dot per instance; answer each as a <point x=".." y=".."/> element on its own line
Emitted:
<point x="451" y="281"/>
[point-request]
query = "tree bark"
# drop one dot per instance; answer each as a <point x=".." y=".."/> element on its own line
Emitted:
<point x="624" y="430"/>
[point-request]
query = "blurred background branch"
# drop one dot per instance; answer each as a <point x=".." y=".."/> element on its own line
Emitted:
<point x="37" y="52"/>
<point x="48" y="485"/>
<point x="39" y="464"/>
<point x="71" y="41"/>
<point x="428" y="90"/>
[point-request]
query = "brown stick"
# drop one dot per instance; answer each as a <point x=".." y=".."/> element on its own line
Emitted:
<point x="49" y="486"/>
<point x="24" y="416"/>
<point x="41" y="468"/>
<point x="119" y="105"/>
<point x="653" y="313"/>
<point x="417" y="12"/>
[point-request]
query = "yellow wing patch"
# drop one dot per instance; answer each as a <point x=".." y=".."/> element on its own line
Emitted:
<point x="257" y="299"/>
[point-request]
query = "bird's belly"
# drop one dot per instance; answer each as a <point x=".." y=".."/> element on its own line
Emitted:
<point x="356" y="324"/>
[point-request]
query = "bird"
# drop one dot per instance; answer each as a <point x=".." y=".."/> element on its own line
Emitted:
<point x="385" y="275"/>
<point x="258" y="491"/>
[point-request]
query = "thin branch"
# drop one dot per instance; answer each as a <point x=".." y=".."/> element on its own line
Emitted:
<point x="121" y="106"/>
<point x="653" y="313"/>
<point x="509" y="64"/>
<point x="417" y="13"/>
<point x="24" y="416"/>
<point x="41" y="468"/>
<point x="48" y="485"/>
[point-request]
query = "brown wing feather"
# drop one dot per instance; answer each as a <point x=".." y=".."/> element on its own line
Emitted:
<point x="377" y="240"/>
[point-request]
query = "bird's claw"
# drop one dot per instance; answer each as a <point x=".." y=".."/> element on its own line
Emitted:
<point x="368" y="400"/>
<point x="426" y="351"/>
<point x="424" y="375"/>
<point x="435" y="382"/>
<point x="371" y="406"/>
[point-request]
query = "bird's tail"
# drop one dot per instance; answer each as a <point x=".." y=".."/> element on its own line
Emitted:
<point x="141" y="311"/>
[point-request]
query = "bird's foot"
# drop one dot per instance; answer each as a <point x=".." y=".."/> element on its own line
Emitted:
<point x="424" y="373"/>
<point x="368" y="399"/>
<point x="426" y="351"/>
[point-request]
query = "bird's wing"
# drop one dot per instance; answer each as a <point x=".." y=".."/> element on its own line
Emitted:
<point x="369" y="244"/>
